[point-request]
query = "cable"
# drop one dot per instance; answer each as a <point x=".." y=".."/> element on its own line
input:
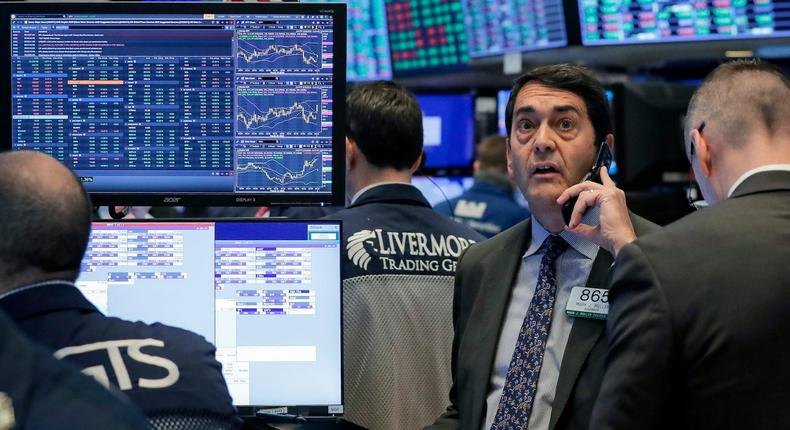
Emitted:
<point x="419" y="172"/>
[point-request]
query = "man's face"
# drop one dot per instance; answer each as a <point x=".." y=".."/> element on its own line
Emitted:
<point x="551" y="144"/>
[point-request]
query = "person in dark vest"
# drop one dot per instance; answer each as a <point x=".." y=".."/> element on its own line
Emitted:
<point x="45" y="226"/>
<point x="489" y="206"/>
<point x="39" y="392"/>
<point x="397" y="268"/>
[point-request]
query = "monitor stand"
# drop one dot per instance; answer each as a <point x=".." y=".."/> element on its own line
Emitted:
<point x="317" y="423"/>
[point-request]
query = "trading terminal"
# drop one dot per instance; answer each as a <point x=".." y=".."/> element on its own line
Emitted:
<point x="176" y="107"/>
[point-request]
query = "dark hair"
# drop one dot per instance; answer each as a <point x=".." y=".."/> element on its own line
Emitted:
<point x="491" y="153"/>
<point x="574" y="79"/>
<point x="385" y="121"/>
<point x="46" y="228"/>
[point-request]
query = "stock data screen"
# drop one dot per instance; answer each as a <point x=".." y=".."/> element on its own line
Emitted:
<point x="606" y="22"/>
<point x="426" y="34"/>
<point x="368" y="50"/>
<point x="177" y="103"/>
<point x="496" y="26"/>
<point x="266" y="294"/>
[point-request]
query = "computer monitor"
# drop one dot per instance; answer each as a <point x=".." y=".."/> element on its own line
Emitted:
<point x="426" y="35"/>
<point x="649" y="21"/>
<point x="368" y="49"/>
<point x="502" y="97"/>
<point x="495" y="27"/>
<point x="649" y="148"/>
<point x="181" y="104"/>
<point x="448" y="130"/>
<point x="266" y="293"/>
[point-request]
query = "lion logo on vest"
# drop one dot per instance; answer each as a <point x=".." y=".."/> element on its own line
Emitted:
<point x="405" y="251"/>
<point x="356" y="248"/>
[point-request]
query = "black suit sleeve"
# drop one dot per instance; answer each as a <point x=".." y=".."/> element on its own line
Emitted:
<point x="637" y="384"/>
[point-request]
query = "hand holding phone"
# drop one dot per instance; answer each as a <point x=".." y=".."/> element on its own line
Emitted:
<point x="613" y="228"/>
<point x="602" y="159"/>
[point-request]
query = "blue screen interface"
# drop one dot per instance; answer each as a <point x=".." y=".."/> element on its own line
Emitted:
<point x="448" y="129"/>
<point x="495" y="27"/>
<point x="610" y="22"/>
<point x="502" y="97"/>
<point x="177" y="103"/>
<point x="368" y="49"/>
<point x="267" y="294"/>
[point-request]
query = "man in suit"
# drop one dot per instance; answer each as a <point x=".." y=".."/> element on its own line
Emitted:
<point x="699" y="312"/>
<point x="44" y="226"/>
<point x="519" y="360"/>
<point x="489" y="206"/>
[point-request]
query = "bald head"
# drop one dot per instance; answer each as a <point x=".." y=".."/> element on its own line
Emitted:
<point x="44" y="221"/>
<point x="742" y="99"/>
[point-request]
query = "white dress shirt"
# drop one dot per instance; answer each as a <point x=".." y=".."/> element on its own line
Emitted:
<point x="761" y="169"/>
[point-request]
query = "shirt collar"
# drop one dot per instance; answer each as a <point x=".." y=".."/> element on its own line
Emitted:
<point x="583" y="246"/>
<point x="371" y="186"/>
<point x="36" y="285"/>
<point x="761" y="169"/>
<point x="57" y="296"/>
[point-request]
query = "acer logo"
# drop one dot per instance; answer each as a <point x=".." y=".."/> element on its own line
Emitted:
<point x="172" y="199"/>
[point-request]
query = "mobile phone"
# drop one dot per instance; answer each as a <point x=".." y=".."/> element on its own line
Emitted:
<point x="603" y="159"/>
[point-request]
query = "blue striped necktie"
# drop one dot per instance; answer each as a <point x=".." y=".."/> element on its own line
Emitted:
<point x="521" y="383"/>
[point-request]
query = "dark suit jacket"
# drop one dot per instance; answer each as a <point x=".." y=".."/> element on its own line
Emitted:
<point x="699" y="323"/>
<point x="484" y="280"/>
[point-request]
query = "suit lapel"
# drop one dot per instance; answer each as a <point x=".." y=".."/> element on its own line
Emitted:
<point x="489" y="310"/>
<point x="583" y="336"/>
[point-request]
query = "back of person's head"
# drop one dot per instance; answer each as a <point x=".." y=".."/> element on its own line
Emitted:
<point x="385" y="121"/>
<point x="45" y="217"/>
<point x="576" y="80"/>
<point x="491" y="154"/>
<point x="742" y="97"/>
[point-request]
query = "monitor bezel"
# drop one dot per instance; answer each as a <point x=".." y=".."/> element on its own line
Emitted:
<point x="337" y="10"/>
<point x="250" y="410"/>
